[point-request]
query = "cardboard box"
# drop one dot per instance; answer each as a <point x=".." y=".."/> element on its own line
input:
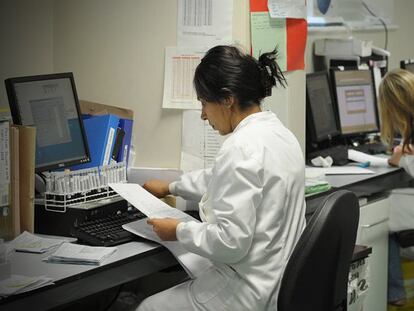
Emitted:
<point x="96" y="109"/>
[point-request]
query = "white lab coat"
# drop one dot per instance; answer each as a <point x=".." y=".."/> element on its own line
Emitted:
<point x="407" y="163"/>
<point x="253" y="210"/>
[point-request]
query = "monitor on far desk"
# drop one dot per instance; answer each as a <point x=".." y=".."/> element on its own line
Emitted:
<point x="355" y="101"/>
<point x="407" y="64"/>
<point x="322" y="126"/>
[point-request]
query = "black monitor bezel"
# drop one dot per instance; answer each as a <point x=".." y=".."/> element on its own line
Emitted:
<point x="405" y="62"/>
<point x="310" y="114"/>
<point x="16" y="115"/>
<point x="332" y="72"/>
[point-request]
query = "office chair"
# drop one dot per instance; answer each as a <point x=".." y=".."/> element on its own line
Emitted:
<point x="316" y="275"/>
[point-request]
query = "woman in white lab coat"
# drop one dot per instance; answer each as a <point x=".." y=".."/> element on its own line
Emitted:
<point x="252" y="203"/>
<point x="396" y="98"/>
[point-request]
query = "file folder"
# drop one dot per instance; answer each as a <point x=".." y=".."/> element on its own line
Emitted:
<point x="126" y="125"/>
<point x="101" y="135"/>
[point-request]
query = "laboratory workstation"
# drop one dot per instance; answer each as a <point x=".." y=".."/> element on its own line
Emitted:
<point x="207" y="155"/>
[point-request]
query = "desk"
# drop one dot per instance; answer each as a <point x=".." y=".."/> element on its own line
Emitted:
<point x="72" y="282"/>
<point x="372" y="191"/>
<point x="137" y="259"/>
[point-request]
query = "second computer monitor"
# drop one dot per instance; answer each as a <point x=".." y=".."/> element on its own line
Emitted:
<point x="407" y="64"/>
<point x="356" y="101"/>
<point x="321" y="120"/>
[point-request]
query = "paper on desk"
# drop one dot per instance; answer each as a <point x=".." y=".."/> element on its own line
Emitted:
<point x="362" y="157"/>
<point x="338" y="170"/>
<point x="153" y="207"/>
<point x="30" y="243"/>
<point x="80" y="254"/>
<point x="17" y="284"/>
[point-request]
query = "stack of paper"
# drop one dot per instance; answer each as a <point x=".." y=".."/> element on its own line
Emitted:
<point x="80" y="254"/>
<point x="17" y="284"/>
<point x="27" y="242"/>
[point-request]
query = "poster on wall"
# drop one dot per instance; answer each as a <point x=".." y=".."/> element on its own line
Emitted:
<point x="287" y="34"/>
<point x="204" y="22"/>
<point x="180" y="65"/>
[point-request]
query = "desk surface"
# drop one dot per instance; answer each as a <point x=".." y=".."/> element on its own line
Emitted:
<point x="369" y="186"/>
<point x="73" y="282"/>
<point x="137" y="259"/>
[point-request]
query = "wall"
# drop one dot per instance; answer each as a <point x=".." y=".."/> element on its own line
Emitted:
<point x="26" y="36"/>
<point x="400" y="43"/>
<point x="116" y="51"/>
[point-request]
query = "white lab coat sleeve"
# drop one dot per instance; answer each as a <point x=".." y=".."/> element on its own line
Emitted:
<point x="192" y="185"/>
<point x="407" y="163"/>
<point x="233" y="195"/>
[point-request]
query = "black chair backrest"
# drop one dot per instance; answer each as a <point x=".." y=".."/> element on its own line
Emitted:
<point x="316" y="275"/>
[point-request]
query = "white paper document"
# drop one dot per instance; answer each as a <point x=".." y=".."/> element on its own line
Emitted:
<point x="17" y="284"/>
<point x="204" y="22"/>
<point x="80" y="254"/>
<point x="180" y="65"/>
<point x="287" y="8"/>
<point x="200" y="142"/>
<point x="338" y="170"/>
<point x="192" y="263"/>
<point x="155" y="208"/>
<point x="30" y="243"/>
<point x="362" y="157"/>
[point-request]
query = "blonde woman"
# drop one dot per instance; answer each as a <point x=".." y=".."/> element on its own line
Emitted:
<point x="396" y="98"/>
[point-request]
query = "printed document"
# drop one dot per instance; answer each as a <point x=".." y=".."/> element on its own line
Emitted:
<point x="30" y="243"/>
<point x="155" y="208"/>
<point x="200" y="142"/>
<point x="289" y="8"/>
<point x="17" y="284"/>
<point x="204" y="22"/>
<point x="80" y="254"/>
<point x="180" y="65"/>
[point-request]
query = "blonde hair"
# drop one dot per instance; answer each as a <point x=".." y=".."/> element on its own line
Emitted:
<point x="396" y="99"/>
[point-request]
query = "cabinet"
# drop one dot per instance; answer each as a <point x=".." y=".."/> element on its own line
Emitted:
<point x="373" y="232"/>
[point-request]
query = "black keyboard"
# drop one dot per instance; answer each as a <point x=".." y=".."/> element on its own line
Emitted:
<point x="106" y="231"/>
<point x="372" y="148"/>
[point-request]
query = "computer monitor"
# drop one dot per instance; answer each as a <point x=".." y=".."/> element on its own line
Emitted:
<point x="50" y="103"/>
<point x="322" y="123"/>
<point x="407" y="64"/>
<point x="356" y="101"/>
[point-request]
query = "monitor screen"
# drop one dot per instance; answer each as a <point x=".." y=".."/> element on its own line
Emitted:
<point x="356" y="101"/>
<point x="321" y="118"/>
<point x="407" y="65"/>
<point x="50" y="103"/>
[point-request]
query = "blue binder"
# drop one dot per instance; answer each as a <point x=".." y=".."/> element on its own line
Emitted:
<point x="126" y="125"/>
<point x="101" y="134"/>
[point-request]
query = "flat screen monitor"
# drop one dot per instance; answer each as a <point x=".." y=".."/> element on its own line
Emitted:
<point x="50" y="103"/>
<point x="356" y="101"/>
<point x="407" y="64"/>
<point x="320" y="112"/>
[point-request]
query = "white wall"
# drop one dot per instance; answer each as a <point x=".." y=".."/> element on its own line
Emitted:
<point x="116" y="51"/>
<point x="26" y="40"/>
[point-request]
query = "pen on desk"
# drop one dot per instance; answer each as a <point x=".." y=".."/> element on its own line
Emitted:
<point x="364" y="164"/>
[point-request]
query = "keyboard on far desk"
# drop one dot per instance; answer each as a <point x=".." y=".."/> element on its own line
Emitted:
<point x="106" y="231"/>
<point x="373" y="148"/>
